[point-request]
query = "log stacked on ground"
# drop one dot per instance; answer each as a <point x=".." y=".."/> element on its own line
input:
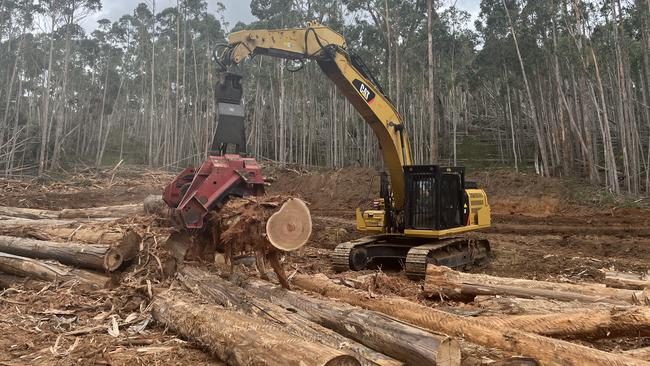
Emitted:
<point x="453" y="284"/>
<point x="103" y="257"/>
<point x="546" y="350"/>
<point x="49" y="271"/>
<point x="509" y="305"/>
<point x="238" y="339"/>
<point x="633" y="321"/>
<point x="313" y="318"/>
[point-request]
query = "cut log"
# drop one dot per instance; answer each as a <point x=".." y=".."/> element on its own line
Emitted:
<point x="546" y="350"/>
<point x="499" y="305"/>
<point x="265" y="225"/>
<point x="13" y="222"/>
<point x="632" y="281"/>
<point x="130" y="210"/>
<point x="397" y="339"/>
<point x="640" y="353"/>
<point x="28" y="213"/>
<point x="590" y="324"/>
<point x="49" y="271"/>
<point x="458" y="285"/>
<point x="102" y="257"/>
<point x="215" y="289"/>
<point x="239" y="339"/>
<point x="86" y="233"/>
<point x="284" y="222"/>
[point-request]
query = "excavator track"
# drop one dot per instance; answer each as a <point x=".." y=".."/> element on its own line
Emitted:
<point x="458" y="252"/>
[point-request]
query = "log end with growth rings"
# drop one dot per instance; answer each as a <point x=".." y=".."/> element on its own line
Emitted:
<point x="290" y="227"/>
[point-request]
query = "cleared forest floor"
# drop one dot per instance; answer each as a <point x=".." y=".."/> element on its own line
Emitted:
<point x="539" y="233"/>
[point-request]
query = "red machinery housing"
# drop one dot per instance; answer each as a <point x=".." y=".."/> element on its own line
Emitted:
<point x="194" y="193"/>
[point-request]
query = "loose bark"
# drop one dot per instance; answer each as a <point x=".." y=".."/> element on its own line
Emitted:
<point x="49" y="271"/>
<point x="546" y="350"/>
<point x="215" y="289"/>
<point x="454" y="284"/>
<point x="588" y="324"/>
<point x="239" y="339"/>
<point x="630" y="281"/>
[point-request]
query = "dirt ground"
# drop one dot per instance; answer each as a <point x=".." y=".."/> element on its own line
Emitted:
<point x="540" y="232"/>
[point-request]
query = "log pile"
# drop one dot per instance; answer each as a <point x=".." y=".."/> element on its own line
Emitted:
<point x="64" y="246"/>
<point x="465" y="286"/>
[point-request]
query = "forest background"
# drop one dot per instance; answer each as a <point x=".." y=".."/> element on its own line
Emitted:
<point x="559" y="87"/>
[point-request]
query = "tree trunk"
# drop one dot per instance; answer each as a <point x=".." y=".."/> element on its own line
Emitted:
<point x="546" y="350"/>
<point x="28" y="213"/>
<point x="432" y="94"/>
<point x="239" y="339"/>
<point x="49" y="271"/>
<point x="454" y="284"/>
<point x="214" y="288"/>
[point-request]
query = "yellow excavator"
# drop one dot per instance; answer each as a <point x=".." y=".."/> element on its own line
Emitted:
<point x="425" y="213"/>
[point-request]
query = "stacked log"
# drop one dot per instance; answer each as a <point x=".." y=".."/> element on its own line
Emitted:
<point x="465" y="286"/>
<point x="103" y="257"/>
<point x="49" y="271"/>
<point x="315" y="319"/>
<point x="546" y="350"/>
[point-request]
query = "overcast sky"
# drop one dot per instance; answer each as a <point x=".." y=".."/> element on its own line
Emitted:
<point x="236" y="10"/>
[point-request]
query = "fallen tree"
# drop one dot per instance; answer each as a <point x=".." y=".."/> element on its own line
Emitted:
<point x="238" y="339"/>
<point x="101" y="257"/>
<point x="49" y="271"/>
<point x="546" y="350"/>
<point x="459" y="285"/>
<point x="82" y="232"/>
<point x="313" y="319"/>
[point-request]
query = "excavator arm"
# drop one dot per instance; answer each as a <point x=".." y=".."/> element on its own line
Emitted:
<point x="328" y="49"/>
